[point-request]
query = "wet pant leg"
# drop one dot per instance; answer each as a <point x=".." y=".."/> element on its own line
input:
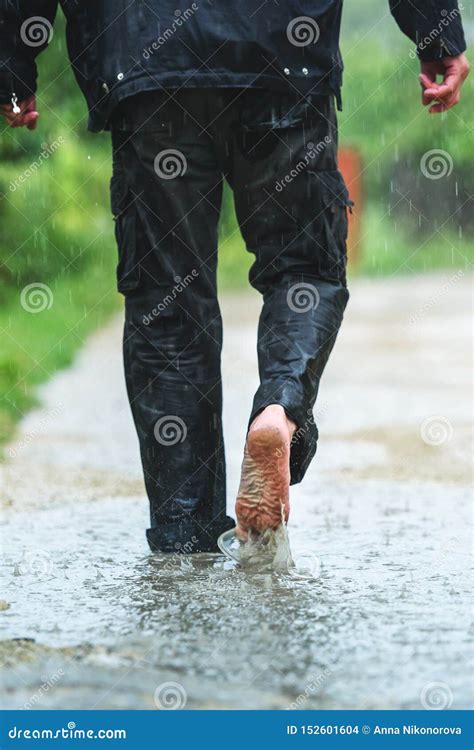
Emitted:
<point x="166" y="195"/>
<point x="291" y="204"/>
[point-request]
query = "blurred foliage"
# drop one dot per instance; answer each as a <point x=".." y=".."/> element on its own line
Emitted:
<point x="384" y="121"/>
<point x="409" y="223"/>
<point x="55" y="217"/>
<point x="56" y="222"/>
<point x="383" y="116"/>
<point x="56" y="230"/>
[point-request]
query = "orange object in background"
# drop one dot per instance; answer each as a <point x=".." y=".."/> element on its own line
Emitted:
<point x="350" y="164"/>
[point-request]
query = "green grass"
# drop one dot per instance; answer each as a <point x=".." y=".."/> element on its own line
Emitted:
<point x="36" y="344"/>
<point x="390" y="249"/>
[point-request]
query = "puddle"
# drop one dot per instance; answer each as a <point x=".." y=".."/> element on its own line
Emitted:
<point x="375" y="608"/>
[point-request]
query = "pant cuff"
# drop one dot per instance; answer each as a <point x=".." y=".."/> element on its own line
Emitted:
<point x="187" y="536"/>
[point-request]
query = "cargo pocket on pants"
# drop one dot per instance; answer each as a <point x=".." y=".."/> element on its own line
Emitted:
<point x="125" y="217"/>
<point x="332" y="202"/>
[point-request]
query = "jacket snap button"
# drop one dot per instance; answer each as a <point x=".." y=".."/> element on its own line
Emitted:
<point x="286" y="71"/>
<point x="120" y="77"/>
<point x="305" y="71"/>
<point x="105" y="88"/>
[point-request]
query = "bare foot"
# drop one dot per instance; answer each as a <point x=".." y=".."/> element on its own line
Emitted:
<point x="263" y="497"/>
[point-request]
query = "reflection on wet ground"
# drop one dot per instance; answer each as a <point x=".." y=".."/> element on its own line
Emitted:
<point x="375" y="613"/>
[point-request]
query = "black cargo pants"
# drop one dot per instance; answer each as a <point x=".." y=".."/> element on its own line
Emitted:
<point x="172" y="151"/>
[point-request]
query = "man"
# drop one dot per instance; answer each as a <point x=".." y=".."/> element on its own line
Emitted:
<point x="242" y="91"/>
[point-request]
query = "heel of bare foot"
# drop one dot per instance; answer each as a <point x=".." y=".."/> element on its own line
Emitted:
<point x="263" y="497"/>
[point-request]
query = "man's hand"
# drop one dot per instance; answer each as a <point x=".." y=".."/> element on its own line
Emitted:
<point x="442" y="96"/>
<point x="26" y="117"/>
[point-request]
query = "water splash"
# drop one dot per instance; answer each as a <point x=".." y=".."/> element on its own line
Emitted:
<point x="269" y="551"/>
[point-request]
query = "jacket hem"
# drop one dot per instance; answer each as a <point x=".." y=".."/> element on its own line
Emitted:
<point x="100" y="118"/>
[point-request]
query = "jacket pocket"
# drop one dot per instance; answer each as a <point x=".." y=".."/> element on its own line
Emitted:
<point x="125" y="217"/>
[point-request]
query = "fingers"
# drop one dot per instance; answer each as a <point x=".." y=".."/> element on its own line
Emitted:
<point x="27" y="117"/>
<point x="426" y="80"/>
<point x="443" y="96"/>
<point x="28" y="120"/>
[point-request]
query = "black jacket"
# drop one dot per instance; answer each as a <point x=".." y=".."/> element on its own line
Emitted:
<point x="120" y="47"/>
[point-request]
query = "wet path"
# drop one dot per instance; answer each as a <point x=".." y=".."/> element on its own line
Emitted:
<point x="376" y="613"/>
